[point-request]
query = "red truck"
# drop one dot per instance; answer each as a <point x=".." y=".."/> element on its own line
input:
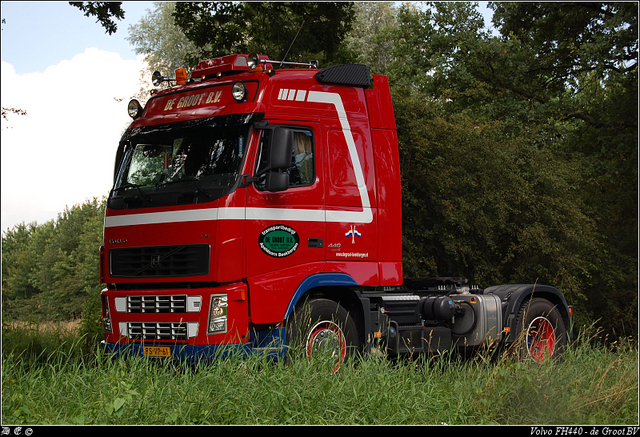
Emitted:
<point x="256" y="208"/>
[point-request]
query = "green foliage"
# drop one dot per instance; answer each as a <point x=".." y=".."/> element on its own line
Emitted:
<point x="156" y="36"/>
<point x="368" y="38"/>
<point x="299" y="31"/>
<point x="103" y="11"/>
<point x="211" y="26"/>
<point x="519" y="152"/>
<point x="51" y="271"/>
<point x="570" y="39"/>
<point x="17" y="262"/>
<point x="485" y="206"/>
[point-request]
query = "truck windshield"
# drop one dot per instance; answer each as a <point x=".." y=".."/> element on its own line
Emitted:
<point x="200" y="157"/>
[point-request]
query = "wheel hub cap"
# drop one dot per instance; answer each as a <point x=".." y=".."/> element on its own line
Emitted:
<point x="326" y="341"/>
<point x="541" y="339"/>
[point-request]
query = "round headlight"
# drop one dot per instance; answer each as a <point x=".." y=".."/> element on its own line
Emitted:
<point x="239" y="91"/>
<point x="134" y="109"/>
<point x="252" y="60"/>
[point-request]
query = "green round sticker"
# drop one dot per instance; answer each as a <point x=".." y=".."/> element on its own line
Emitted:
<point x="279" y="241"/>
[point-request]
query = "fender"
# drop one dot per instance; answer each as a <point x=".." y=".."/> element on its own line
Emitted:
<point x="333" y="280"/>
<point x="512" y="297"/>
<point x="318" y="280"/>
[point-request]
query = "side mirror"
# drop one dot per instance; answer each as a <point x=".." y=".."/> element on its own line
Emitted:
<point x="277" y="181"/>
<point x="277" y="149"/>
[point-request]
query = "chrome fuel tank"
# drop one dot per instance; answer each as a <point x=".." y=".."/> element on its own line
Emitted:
<point x="481" y="319"/>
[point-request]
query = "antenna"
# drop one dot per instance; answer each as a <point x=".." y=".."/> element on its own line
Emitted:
<point x="294" y="40"/>
<point x="254" y="58"/>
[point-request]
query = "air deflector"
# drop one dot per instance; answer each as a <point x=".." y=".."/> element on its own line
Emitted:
<point x="345" y="74"/>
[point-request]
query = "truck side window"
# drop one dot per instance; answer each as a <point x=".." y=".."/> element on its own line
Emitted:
<point x="302" y="169"/>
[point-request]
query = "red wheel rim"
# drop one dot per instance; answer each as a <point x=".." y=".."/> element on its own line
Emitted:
<point x="541" y="339"/>
<point x="326" y="341"/>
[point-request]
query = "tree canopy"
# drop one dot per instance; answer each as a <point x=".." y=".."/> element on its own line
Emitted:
<point x="104" y="13"/>
<point x="51" y="271"/>
<point x="163" y="43"/>
<point x="530" y="149"/>
<point x="299" y="31"/>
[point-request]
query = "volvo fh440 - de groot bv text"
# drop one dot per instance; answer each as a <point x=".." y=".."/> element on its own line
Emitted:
<point x="257" y="209"/>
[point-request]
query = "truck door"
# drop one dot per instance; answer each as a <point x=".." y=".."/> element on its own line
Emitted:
<point x="285" y="238"/>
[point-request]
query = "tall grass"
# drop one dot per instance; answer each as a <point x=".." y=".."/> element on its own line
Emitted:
<point x="67" y="385"/>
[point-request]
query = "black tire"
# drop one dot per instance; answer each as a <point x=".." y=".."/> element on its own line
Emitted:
<point x="541" y="332"/>
<point x="322" y="329"/>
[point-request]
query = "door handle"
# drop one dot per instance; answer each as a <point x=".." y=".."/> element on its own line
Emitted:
<point x="315" y="242"/>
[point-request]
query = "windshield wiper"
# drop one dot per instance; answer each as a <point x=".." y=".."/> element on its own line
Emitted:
<point x="136" y="186"/>
<point x="186" y="179"/>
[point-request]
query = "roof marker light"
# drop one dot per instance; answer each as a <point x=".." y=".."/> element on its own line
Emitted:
<point x="181" y="76"/>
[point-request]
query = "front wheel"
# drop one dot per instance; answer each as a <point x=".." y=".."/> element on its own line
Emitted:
<point x="321" y="329"/>
<point x="541" y="331"/>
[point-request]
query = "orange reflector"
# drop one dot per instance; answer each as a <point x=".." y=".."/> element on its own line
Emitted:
<point x="377" y="334"/>
<point x="181" y="76"/>
<point x="507" y="329"/>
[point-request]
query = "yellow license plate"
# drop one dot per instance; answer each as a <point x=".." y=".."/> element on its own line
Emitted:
<point x="156" y="351"/>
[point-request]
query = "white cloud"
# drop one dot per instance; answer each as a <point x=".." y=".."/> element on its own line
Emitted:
<point x="62" y="152"/>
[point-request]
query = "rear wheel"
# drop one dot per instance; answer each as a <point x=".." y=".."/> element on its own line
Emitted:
<point x="321" y="329"/>
<point x="541" y="331"/>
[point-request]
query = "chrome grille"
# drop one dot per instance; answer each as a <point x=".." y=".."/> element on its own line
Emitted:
<point x="157" y="330"/>
<point x="157" y="304"/>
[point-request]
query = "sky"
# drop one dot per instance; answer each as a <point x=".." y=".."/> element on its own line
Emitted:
<point x="75" y="81"/>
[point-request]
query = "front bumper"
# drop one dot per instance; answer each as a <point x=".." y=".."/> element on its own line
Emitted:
<point x="268" y="343"/>
<point x="183" y="352"/>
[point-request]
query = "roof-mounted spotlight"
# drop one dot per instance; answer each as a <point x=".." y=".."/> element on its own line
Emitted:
<point x="134" y="109"/>
<point x="253" y="61"/>
<point x="239" y="91"/>
<point x="157" y="78"/>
